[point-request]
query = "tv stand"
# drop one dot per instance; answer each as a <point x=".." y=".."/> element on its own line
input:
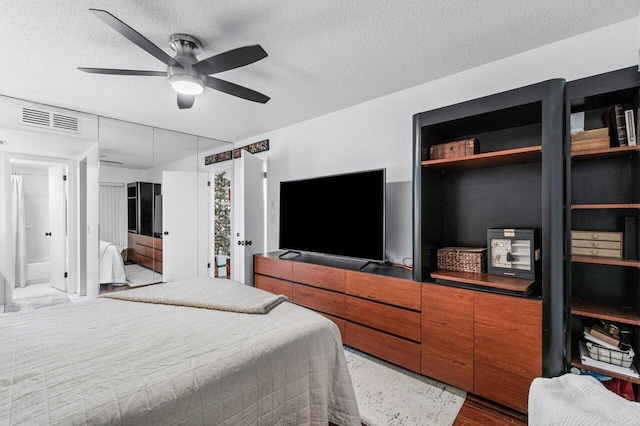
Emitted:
<point x="376" y="312"/>
<point x="290" y="251"/>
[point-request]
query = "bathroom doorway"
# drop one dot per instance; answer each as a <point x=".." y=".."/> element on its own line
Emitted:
<point x="39" y="227"/>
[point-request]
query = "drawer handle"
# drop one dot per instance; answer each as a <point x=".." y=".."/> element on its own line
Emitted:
<point x="595" y="236"/>
<point x="594" y="251"/>
<point x="595" y="244"/>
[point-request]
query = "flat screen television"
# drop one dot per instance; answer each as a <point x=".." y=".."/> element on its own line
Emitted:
<point x="341" y="215"/>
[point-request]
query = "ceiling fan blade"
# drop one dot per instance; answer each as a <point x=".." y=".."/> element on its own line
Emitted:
<point x="232" y="59"/>
<point x="185" y="101"/>
<point x="123" y="72"/>
<point x="135" y="37"/>
<point x="235" y="90"/>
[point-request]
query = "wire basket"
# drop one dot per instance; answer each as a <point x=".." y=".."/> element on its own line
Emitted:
<point x="463" y="259"/>
<point x="611" y="356"/>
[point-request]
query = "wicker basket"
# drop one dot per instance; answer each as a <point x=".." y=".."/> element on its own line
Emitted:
<point x="611" y="356"/>
<point x="463" y="259"/>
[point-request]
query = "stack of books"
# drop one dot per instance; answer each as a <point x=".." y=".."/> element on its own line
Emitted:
<point x="612" y="358"/>
<point x="621" y="124"/>
<point x="590" y="139"/>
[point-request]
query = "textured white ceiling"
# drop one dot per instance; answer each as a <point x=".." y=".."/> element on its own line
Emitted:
<point x="323" y="55"/>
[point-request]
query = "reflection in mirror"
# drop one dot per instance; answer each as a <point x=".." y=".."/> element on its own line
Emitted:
<point x="126" y="205"/>
<point x="157" y="207"/>
<point x="175" y="168"/>
<point x="217" y="206"/>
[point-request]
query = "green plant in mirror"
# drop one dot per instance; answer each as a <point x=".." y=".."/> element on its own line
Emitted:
<point x="222" y="208"/>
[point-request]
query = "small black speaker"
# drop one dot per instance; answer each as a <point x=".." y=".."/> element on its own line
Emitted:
<point x="630" y="236"/>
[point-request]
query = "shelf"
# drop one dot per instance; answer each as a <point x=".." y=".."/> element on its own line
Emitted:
<point x="530" y="154"/>
<point x="486" y="280"/>
<point x="605" y="206"/>
<point x="604" y="153"/>
<point x="621" y="314"/>
<point x="606" y="261"/>
<point x="575" y="362"/>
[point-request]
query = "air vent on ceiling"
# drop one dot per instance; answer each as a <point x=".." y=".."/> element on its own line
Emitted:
<point x="48" y="120"/>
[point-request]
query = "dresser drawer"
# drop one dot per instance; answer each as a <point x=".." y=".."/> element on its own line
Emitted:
<point x="144" y="261"/>
<point x="393" y="320"/>
<point x="447" y="335"/>
<point x="596" y="236"/>
<point x="390" y="348"/>
<point x="609" y="245"/>
<point x="319" y="276"/>
<point x="583" y="251"/>
<point x="272" y="267"/>
<point x="390" y="290"/>
<point x="157" y="255"/>
<point x="317" y="299"/>
<point x="274" y="285"/>
<point x="339" y="322"/>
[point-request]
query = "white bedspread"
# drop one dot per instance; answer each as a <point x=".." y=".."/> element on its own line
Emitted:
<point x="169" y="365"/>
<point x="111" y="264"/>
<point x="578" y="400"/>
<point x="206" y="293"/>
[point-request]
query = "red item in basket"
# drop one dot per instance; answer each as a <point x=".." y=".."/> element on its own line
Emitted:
<point x="621" y="387"/>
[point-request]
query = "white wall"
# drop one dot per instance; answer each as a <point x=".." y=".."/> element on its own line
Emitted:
<point x="36" y="209"/>
<point x="92" y="216"/>
<point x="378" y="133"/>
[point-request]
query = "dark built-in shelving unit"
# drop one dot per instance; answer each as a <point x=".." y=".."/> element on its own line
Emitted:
<point x="515" y="181"/>
<point x="602" y="186"/>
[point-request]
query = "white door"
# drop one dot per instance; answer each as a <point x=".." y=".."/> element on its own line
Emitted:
<point x="179" y="225"/>
<point x="58" y="227"/>
<point x="250" y="234"/>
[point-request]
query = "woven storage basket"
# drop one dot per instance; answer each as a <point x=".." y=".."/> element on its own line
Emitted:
<point x="621" y="358"/>
<point x="463" y="259"/>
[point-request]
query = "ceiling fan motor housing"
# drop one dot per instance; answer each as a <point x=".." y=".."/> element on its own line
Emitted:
<point x="187" y="79"/>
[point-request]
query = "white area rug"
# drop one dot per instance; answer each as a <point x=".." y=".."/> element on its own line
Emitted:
<point x="36" y="302"/>
<point x="389" y="395"/>
<point x="139" y="275"/>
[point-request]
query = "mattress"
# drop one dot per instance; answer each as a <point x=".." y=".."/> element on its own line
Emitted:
<point x="109" y="361"/>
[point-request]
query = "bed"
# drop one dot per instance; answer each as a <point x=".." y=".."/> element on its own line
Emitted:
<point x="573" y="399"/>
<point x="177" y="353"/>
<point x="111" y="264"/>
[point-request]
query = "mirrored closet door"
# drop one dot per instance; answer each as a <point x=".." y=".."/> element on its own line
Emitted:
<point x="156" y="204"/>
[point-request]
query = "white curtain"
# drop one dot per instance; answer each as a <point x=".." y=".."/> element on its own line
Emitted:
<point x="18" y="244"/>
<point x="113" y="214"/>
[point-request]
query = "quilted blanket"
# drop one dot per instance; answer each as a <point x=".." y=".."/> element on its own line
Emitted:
<point x="207" y="293"/>
<point x="109" y="361"/>
<point x="572" y="399"/>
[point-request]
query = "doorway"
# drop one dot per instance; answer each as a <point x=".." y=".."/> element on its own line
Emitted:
<point x="220" y="206"/>
<point x="39" y="227"/>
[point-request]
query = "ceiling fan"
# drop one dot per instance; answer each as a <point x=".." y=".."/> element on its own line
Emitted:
<point x="187" y="74"/>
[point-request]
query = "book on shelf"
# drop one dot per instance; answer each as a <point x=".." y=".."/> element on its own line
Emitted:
<point x="590" y="139"/>
<point x="631" y="238"/>
<point x="597" y="332"/>
<point x="587" y="335"/>
<point x="614" y="118"/>
<point x="631" y="127"/>
<point x="585" y="359"/>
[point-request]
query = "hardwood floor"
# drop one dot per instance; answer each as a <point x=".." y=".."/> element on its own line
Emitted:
<point x="110" y="288"/>
<point x="478" y="411"/>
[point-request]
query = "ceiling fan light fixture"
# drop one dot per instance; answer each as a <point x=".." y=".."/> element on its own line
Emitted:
<point x="187" y="84"/>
